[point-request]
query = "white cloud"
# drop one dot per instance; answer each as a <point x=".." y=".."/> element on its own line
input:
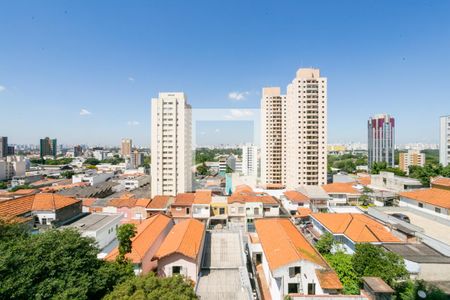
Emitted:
<point x="238" y="113"/>
<point x="84" y="112"/>
<point x="131" y="79"/>
<point x="133" y="123"/>
<point x="238" y="96"/>
<point x="2" y="88"/>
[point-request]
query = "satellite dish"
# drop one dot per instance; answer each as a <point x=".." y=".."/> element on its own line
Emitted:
<point x="422" y="294"/>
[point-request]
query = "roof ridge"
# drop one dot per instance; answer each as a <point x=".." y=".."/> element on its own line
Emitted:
<point x="351" y="221"/>
<point x="371" y="231"/>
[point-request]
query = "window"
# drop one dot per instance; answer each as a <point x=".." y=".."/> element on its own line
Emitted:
<point x="176" y="270"/>
<point x="292" y="288"/>
<point x="437" y="209"/>
<point x="420" y="205"/>
<point x="222" y="210"/>
<point x="293" y="271"/>
<point x="44" y="221"/>
<point x="311" y="288"/>
<point x="188" y="210"/>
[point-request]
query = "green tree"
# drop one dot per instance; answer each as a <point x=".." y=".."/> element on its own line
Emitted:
<point x="371" y="260"/>
<point x="325" y="243"/>
<point x="124" y="235"/>
<point x="342" y="264"/>
<point x="21" y="187"/>
<point x="202" y="169"/>
<point x="3" y="185"/>
<point x="228" y="169"/>
<point x="151" y="287"/>
<point x="91" y="161"/>
<point x="57" y="264"/>
<point x="409" y="290"/>
<point x="67" y="174"/>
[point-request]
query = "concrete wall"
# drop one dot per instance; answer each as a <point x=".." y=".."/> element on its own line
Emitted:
<point x="427" y="208"/>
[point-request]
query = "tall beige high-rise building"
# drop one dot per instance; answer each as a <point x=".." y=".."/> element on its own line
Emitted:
<point x="171" y="147"/>
<point x="411" y="158"/>
<point x="125" y="148"/>
<point x="294" y="132"/>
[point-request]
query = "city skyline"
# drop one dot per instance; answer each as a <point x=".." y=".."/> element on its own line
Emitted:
<point x="49" y="51"/>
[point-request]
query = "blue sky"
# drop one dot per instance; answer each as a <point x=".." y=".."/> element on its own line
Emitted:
<point x="110" y="57"/>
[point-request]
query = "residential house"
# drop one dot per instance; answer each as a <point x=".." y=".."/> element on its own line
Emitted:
<point x="133" y="209"/>
<point x="349" y="229"/>
<point x="181" y="208"/>
<point x="291" y="266"/>
<point x="293" y="200"/>
<point x="219" y="211"/>
<point x="318" y="198"/>
<point x="42" y="210"/>
<point x="181" y="251"/>
<point x="440" y="182"/>
<point x="148" y="239"/>
<point x="159" y="204"/>
<point x="342" y="193"/>
<point x="434" y="201"/>
<point x="201" y="207"/>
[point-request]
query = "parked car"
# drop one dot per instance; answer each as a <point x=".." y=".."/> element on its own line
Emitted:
<point x="402" y="217"/>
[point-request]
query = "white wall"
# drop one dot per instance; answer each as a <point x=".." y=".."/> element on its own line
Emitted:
<point x="427" y="208"/>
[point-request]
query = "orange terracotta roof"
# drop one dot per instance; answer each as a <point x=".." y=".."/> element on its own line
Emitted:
<point x="243" y="188"/>
<point x="127" y="200"/>
<point x="341" y="188"/>
<point x="24" y="192"/>
<point x="88" y="201"/>
<point x="185" y="238"/>
<point x="22" y="205"/>
<point x="364" y="180"/>
<point x="185" y="199"/>
<point x="243" y="196"/>
<point x="357" y="227"/>
<point x="284" y="244"/>
<point x="159" y="202"/>
<point x="441" y="181"/>
<point x="147" y="233"/>
<point x="328" y="280"/>
<point x="16" y="207"/>
<point x="434" y="196"/>
<point x="303" y="212"/>
<point x="51" y="201"/>
<point x="202" y="197"/>
<point x="296" y="196"/>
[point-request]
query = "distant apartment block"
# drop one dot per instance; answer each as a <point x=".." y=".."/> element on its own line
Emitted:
<point x="411" y="158"/>
<point x="137" y="159"/>
<point x="381" y="139"/>
<point x="171" y="146"/>
<point x="77" y="151"/>
<point x="250" y="160"/>
<point x="294" y="132"/>
<point x="48" y="147"/>
<point x="3" y="146"/>
<point x="12" y="166"/>
<point x="444" y="141"/>
<point x="125" y="147"/>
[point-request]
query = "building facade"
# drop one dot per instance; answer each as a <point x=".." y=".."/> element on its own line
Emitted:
<point x="294" y="132"/>
<point x="411" y="158"/>
<point x="171" y="144"/>
<point x="444" y="141"/>
<point x="381" y="139"/>
<point x="250" y="160"/>
<point x="48" y="147"/>
<point x="3" y="146"/>
<point x="125" y="147"/>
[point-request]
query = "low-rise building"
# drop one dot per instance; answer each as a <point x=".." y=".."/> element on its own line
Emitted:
<point x="159" y="204"/>
<point x="440" y="182"/>
<point x="148" y="239"/>
<point x="349" y="229"/>
<point x="100" y="226"/>
<point x="435" y="201"/>
<point x="291" y="266"/>
<point x="317" y="196"/>
<point x="92" y="178"/>
<point x="181" y="208"/>
<point x="342" y="193"/>
<point x="201" y="207"/>
<point x="134" y="181"/>
<point x="41" y="210"/>
<point x="181" y="251"/>
<point x="293" y="200"/>
<point x="390" y="182"/>
<point x="133" y="209"/>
